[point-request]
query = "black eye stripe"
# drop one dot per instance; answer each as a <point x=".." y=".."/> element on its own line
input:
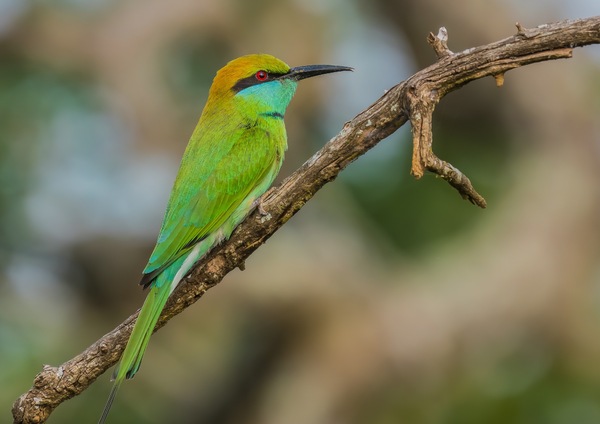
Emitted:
<point x="251" y="80"/>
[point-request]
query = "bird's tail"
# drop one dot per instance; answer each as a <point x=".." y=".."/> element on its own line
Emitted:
<point x="143" y="329"/>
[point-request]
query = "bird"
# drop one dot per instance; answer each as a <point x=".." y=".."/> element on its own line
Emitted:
<point x="233" y="156"/>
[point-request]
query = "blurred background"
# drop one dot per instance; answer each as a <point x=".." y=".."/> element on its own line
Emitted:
<point x="385" y="300"/>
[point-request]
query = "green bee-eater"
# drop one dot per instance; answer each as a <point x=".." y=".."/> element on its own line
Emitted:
<point x="232" y="158"/>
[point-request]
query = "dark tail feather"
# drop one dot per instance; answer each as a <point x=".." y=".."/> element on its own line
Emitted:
<point x="109" y="402"/>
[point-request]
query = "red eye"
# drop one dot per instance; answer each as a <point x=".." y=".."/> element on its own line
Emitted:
<point x="261" y="76"/>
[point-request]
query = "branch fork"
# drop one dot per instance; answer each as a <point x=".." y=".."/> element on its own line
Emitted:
<point x="421" y="92"/>
<point x="420" y="103"/>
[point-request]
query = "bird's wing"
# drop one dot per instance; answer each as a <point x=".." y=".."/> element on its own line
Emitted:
<point x="212" y="182"/>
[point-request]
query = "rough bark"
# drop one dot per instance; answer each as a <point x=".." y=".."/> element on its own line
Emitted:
<point x="413" y="100"/>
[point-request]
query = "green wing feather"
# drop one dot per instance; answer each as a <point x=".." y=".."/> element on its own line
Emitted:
<point x="215" y="177"/>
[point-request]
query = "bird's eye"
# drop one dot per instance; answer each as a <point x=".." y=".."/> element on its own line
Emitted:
<point x="261" y="75"/>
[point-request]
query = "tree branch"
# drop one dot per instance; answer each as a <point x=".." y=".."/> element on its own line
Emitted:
<point x="413" y="100"/>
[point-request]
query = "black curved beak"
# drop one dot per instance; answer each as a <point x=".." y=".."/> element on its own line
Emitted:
<point x="301" y="72"/>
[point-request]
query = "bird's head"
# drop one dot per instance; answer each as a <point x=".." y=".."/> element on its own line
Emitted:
<point x="263" y="84"/>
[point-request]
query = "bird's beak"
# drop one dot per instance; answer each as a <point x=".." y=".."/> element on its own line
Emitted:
<point x="301" y="72"/>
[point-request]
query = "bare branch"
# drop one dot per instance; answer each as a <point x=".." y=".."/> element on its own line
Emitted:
<point x="439" y="43"/>
<point x="452" y="71"/>
<point x="413" y="99"/>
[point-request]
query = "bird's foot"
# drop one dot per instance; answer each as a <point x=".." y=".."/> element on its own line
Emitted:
<point x="264" y="215"/>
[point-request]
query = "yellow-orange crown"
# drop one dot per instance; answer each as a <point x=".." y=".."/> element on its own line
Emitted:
<point x="243" y="67"/>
